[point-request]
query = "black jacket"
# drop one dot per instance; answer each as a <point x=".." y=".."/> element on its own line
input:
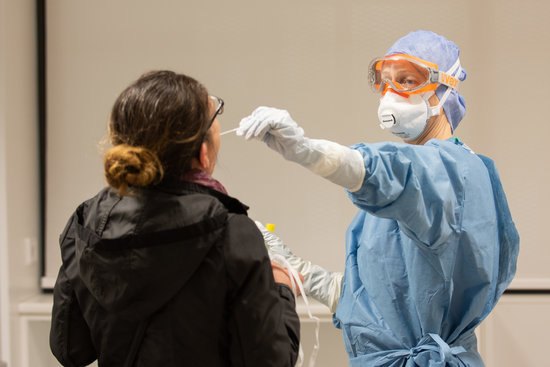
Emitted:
<point x="175" y="276"/>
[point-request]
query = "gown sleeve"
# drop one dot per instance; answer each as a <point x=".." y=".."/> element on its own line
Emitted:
<point x="421" y="187"/>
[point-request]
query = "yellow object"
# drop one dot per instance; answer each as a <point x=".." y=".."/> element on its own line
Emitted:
<point x="270" y="227"/>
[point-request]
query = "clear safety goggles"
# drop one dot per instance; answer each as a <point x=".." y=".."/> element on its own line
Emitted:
<point x="408" y="75"/>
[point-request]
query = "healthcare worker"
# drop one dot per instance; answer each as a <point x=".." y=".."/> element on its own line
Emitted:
<point x="433" y="245"/>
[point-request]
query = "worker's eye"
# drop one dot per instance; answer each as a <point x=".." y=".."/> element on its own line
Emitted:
<point x="408" y="82"/>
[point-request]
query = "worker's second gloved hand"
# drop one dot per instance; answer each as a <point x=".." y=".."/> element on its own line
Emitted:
<point x="323" y="285"/>
<point x="335" y="162"/>
<point x="281" y="275"/>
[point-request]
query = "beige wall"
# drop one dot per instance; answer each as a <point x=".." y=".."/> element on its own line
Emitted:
<point x="309" y="57"/>
<point x="19" y="205"/>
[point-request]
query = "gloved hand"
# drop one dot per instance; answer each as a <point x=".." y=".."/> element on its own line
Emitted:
<point x="281" y="275"/>
<point x="323" y="285"/>
<point x="335" y="162"/>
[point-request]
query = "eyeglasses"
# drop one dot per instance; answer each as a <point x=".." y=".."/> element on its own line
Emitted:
<point x="218" y="102"/>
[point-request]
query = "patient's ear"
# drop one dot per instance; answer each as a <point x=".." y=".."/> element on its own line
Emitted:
<point x="204" y="159"/>
<point x="204" y="162"/>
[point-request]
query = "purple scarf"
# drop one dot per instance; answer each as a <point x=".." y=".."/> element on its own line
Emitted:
<point x="203" y="178"/>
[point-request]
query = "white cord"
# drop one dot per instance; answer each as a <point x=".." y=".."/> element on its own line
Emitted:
<point x="295" y="280"/>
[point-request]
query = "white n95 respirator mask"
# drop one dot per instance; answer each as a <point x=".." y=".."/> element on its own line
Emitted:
<point x="405" y="117"/>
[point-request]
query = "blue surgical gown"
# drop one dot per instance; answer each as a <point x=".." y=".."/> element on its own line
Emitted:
<point x="428" y="255"/>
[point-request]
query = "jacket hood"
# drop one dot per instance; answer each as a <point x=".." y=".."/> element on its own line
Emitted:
<point x="134" y="253"/>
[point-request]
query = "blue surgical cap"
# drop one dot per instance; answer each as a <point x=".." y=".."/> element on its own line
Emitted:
<point x="439" y="50"/>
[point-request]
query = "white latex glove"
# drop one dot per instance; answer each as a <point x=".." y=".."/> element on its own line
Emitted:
<point x="320" y="284"/>
<point x="337" y="163"/>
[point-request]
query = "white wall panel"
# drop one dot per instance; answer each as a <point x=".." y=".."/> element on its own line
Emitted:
<point x="19" y="167"/>
<point x="516" y="333"/>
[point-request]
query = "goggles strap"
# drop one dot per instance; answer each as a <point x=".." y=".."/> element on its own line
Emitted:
<point x="450" y="78"/>
<point x="435" y="110"/>
<point x="456" y="69"/>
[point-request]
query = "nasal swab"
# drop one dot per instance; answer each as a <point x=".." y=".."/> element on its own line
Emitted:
<point x="229" y="131"/>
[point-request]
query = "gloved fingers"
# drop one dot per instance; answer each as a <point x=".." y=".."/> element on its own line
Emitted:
<point x="248" y="128"/>
<point x="276" y="118"/>
<point x="262" y="121"/>
<point x="254" y="125"/>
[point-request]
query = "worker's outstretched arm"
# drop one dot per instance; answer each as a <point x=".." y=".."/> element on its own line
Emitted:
<point x="337" y="163"/>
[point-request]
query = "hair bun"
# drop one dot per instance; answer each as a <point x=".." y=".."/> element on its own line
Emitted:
<point x="126" y="166"/>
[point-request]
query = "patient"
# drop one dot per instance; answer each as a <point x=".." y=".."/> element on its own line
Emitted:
<point x="163" y="267"/>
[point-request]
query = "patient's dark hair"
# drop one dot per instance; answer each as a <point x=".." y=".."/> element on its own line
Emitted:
<point x="156" y="129"/>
